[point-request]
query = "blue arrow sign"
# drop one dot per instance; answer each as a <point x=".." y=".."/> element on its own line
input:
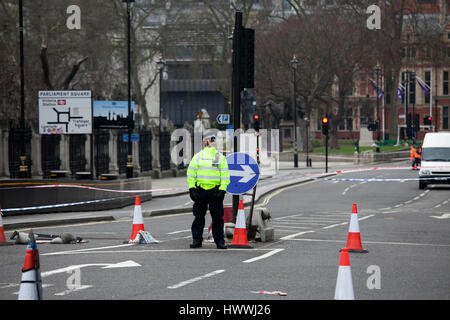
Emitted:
<point x="244" y="173"/>
<point x="223" y="118"/>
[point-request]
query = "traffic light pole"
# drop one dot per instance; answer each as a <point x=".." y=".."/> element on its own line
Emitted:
<point x="326" y="153"/>
<point x="236" y="92"/>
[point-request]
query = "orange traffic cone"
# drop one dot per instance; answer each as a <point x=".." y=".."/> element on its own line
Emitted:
<point x="240" y="233"/>
<point x="2" y="230"/>
<point x="31" y="283"/>
<point x="138" y="221"/>
<point x="354" y="237"/>
<point x="344" y="284"/>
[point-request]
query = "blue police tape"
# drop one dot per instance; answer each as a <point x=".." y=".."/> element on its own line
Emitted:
<point x="59" y="205"/>
<point x="380" y="180"/>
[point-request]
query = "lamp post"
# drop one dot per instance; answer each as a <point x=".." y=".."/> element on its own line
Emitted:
<point x="130" y="117"/>
<point x="377" y="71"/>
<point x="294" y="63"/>
<point x="23" y="168"/>
<point x="161" y="63"/>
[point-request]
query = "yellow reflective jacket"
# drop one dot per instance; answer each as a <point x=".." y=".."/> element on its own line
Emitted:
<point x="208" y="169"/>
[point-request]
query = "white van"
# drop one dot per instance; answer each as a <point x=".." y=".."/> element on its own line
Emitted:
<point x="435" y="159"/>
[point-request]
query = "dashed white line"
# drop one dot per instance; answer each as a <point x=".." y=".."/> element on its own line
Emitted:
<point x="266" y="255"/>
<point x="295" y="235"/>
<point x="184" y="283"/>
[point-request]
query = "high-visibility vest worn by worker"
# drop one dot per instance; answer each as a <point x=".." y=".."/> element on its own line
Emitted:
<point x="412" y="152"/>
<point x="208" y="169"/>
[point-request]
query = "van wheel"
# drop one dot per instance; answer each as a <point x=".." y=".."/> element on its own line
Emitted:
<point x="422" y="185"/>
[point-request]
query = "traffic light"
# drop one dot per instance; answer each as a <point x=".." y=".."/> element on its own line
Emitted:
<point x="427" y="120"/>
<point x="256" y="122"/>
<point x="247" y="59"/>
<point x="325" y="126"/>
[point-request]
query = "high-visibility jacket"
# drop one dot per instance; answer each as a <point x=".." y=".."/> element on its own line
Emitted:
<point x="208" y="169"/>
<point x="417" y="154"/>
<point x="412" y="152"/>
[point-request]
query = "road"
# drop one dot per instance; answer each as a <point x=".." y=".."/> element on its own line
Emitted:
<point x="405" y="230"/>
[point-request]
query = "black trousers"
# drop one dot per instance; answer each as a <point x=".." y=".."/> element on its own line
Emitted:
<point x="208" y="198"/>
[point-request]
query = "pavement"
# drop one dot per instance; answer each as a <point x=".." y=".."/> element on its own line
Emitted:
<point x="177" y="200"/>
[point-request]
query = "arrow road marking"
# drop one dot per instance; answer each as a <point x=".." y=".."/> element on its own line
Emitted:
<point x="124" y="264"/>
<point x="444" y="216"/>
<point x="246" y="175"/>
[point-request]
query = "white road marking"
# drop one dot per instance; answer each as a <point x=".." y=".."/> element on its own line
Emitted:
<point x="295" y="235"/>
<point x="289" y="226"/>
<point x="124" y="264"/>
<point x="335" y="225"/>
<point x="444" y="216"/>
<point x="376" y="242"/>
<point x="184" y="283"/>
<point x="84" y="250"/>
<point x="266" y="255"/>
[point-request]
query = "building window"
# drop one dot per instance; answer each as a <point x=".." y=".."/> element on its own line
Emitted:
<point x="445" y="118"/>
<point x="445" y="83"/>
<point x="409" y="52"/>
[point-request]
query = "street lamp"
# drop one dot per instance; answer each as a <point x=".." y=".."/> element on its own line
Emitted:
<point x="294" y="63"/>
<point x="23" y="168"/>
<point x="160" y="63"/>
<point x="130" y="117"/>
<point x="377" y="71"/>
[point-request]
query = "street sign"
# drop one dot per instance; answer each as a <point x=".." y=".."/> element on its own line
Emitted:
<point x="134" y="137"/>
<point x="223" y="118"/>
<point x="65" y="112"/>
<point x="244" y="173"/>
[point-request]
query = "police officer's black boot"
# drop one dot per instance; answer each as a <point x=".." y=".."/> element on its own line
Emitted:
<point x="196" y="245"/>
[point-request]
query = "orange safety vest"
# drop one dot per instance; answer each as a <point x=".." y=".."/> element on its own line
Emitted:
<point x="417" y="155"/>
<point x="412" y="153"/>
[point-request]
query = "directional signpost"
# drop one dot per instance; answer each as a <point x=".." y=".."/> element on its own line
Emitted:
<point x="223" y="119"/>
<point x="244" y="173"/>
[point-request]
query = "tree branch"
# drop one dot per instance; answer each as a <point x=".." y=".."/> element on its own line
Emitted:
<point x="73" y="72"/>
<point x="45" y="67"/>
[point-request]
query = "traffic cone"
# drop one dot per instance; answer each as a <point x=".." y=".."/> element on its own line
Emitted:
<point x="2" y="230"/>
<point x="31" y="283"/>
<point x="354" y="237"/>
<point x="138" y="220"/>
<point x="344" y="284"/>
<point x="240" y="232"/>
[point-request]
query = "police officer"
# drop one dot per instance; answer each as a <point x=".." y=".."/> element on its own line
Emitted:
<point x="208" y="178"/>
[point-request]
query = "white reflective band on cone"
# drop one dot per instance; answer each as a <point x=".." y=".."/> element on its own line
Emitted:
<point x="354" y="225"/>
<point x="137" y="217"/>
<point x="344" y="284"/>
<point x="240" y="220"/>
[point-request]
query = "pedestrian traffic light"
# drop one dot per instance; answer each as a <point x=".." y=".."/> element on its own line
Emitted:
<point x="427" y="120"/>
<point x="256" y="122"/>
<point x="325" y="126"/>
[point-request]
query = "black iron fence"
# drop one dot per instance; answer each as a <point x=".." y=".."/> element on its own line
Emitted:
<point x="77" y="153"/>
<point x="164" y="150"/>
<point x="122" y="151"/>
<point x="19" y="144"/>
<point x="50" y="153"/>
<point x="101" y="151"/>
<point x="145" y="149"/>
